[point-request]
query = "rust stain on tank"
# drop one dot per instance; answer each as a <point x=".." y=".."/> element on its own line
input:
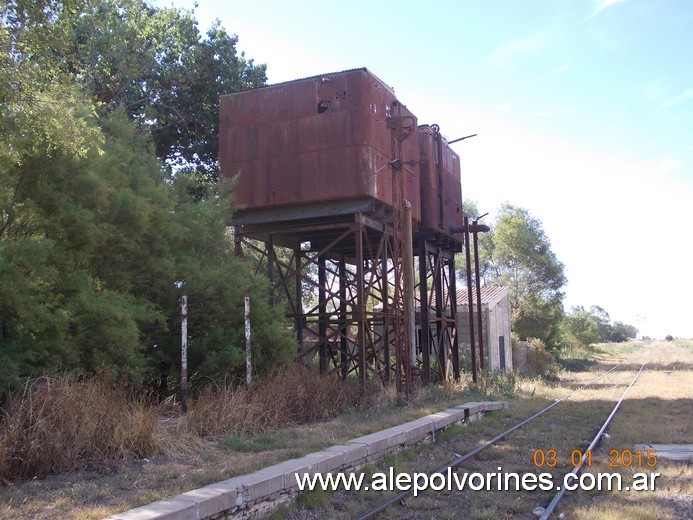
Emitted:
<point x="441" y="186"/>
<point x="314" y="140"/>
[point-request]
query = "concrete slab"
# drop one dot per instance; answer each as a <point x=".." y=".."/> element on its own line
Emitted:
<point x="376" y="442"/>
<point x="418" y="430"/>
<point x="212" y="499"/>
<point x="330" y="461"/>
<point x="475" y="408"/>
<point x="260" y="484"/>
<point x="354" y="454"/>
<point x="446" y="418"/>
<point x="667" y="451"/>
<point x="246" y="490"/>
<point x="160" y="510"/>
<point x="397" y="435"/>
<point x="309" y="464"/>
<point x="301" y="466"/>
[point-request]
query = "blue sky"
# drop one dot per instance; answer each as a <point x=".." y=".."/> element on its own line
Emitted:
<point x="584" y="111"/>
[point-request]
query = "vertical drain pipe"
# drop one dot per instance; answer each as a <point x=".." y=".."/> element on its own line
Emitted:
<point x="475" y="229"/>
<point x="408" y="279"/>
<point x="470" y="301"/>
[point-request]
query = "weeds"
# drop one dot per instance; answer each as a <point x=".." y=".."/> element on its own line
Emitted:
<point x="251" y="444"/>
<point x="538" y="360"/>
<point x="60" y="425"/>
<point x="503" y="384"/>
<point x="294" y="395"/>
<point x="54" y="425"/>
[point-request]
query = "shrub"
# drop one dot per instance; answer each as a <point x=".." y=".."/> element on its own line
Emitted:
<point x="59" y="425"/>
<point x="502" y="384"/>
<point x="534" y="358"/>
<point x="293" y="394"/>
<point x="55" y="425"/>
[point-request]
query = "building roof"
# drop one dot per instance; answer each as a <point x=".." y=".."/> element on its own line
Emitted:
<point x="489" y="294"/>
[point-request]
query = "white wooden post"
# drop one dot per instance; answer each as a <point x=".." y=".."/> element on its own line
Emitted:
<point x="248" y="361"/>
<point x="184" y="353"/>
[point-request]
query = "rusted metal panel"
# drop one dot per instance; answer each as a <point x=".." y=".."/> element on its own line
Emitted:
<point x="452" y="189"/>
<point x="440" y="183"/>
<point x="428" y="178"/>
<point x="314" y="140"/>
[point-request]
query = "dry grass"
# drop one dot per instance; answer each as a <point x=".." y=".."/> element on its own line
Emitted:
<point x="187" y="461"/>
<point x="290" y="396"/>
<point x="657" y="409"/>
<point x="57" y="425"/>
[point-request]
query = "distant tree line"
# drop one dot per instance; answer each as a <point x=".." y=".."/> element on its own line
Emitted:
<point x="517" y="253"/>
<point x="109" y="207"/>
<point x="582" y="328"/>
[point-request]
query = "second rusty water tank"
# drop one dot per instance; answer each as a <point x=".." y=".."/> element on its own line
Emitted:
<point x="441" y="186"/>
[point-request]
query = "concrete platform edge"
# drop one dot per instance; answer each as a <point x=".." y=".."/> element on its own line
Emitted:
<point x="237" y="496"/>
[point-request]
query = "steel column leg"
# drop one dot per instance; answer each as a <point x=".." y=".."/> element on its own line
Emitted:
<point x="452" y="291"/>
<point x="424" y="313"/>
<point x="322" y="313"/>
<point x="343" y="327"/>
<point x="359" y="310"/>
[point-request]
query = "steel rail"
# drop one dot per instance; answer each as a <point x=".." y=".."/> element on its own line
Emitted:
<point x="559" y="495"/>
<point x="456" y="463"/>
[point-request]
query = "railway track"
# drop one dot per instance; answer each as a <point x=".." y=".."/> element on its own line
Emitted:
<point x="546" y="453"/>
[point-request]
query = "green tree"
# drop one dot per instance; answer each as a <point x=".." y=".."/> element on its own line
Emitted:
<point x="623" y="332"/>
<point x="603" y="322"/>
<point x="580" y="328"/>
<point x="151" y="62"/>
<point x="95" y="285"/>
<point x="471" y="211"/>
<point x="97" y="239"/>
<point x="520" y="257"/>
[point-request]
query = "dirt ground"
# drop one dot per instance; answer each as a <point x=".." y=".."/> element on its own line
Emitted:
<point x="657" y="410"/>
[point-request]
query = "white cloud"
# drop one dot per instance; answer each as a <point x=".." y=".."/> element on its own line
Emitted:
<point x="556" y="72"/>
<point x="681" y="98"/>
<point x="559" y="112"/>
<point x="615" y="222"/>
<point x="509" y="55"/>
<point x="661" y="167"/>
<point x="601" y="5"/>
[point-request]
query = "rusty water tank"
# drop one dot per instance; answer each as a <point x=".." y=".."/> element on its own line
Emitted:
<point x="441" y="186"/>
<point x="315" y="140"/>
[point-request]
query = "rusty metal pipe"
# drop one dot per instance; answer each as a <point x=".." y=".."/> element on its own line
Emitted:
<point x="470" y="301"/>
<point x="424" y="312"/>
<point x="408" y="260"/>
<point x="439" y="179"/>
<point x="462" y="138"/>
<point x="473" y="228"/>
<point x="475" y="231"/>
